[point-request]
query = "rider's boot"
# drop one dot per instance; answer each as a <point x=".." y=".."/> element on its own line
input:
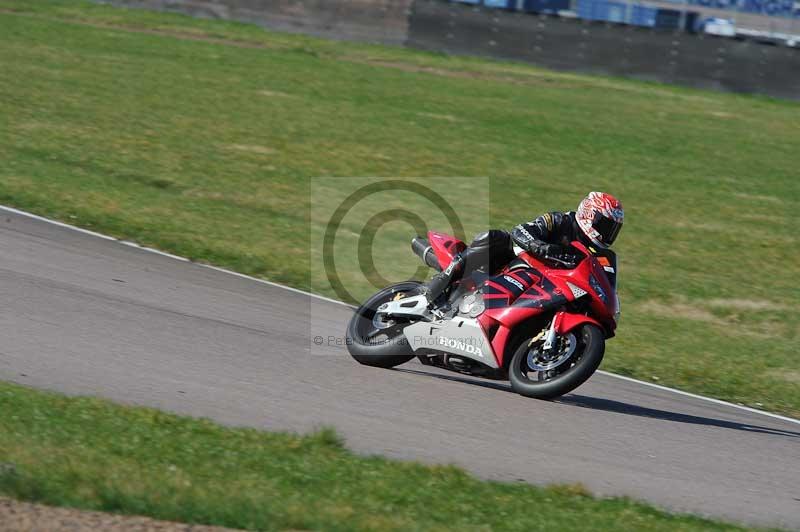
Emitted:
<point x="442" y="280"/>
<point x="488" y="252"/>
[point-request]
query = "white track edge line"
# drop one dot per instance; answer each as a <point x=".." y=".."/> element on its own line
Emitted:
<point x="336" y="301"/>
<point x="170" y="255"/>
<point x="703" y="397"/>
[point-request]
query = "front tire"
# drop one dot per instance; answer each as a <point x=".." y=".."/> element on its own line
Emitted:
<point x="369" y="349"/>
<point x="576" y="370"/>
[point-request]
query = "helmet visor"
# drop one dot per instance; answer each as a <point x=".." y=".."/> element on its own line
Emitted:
<point x="608" y="228"/>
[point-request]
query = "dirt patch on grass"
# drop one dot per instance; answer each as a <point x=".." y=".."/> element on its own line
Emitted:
<point x="541" y="81"/>
<point x="699" y="227"/>
<point x="275" y="94"/>
<point x="19" y="516"/>
<point x="680" y="310"/>
<point x="770" y="218"/>
<point x="436" y="116"/>
<point x="787" y="375"/>
<point x="701" y="311"/>
<point x="758" y="197"/>
<point x="252" y="148"/>
<point x="519" y="75"/>
<point x="721" y="114"/>
<point x="746" y="304"/>
<point x="650" y="90"/>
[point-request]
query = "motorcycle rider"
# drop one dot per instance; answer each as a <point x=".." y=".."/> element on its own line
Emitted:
<point x="596" y="223"/>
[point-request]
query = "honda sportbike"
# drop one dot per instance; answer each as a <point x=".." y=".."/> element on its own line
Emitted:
<point x="538" y="322"/>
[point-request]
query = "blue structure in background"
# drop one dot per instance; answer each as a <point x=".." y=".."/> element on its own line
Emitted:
<point x="545" y="6"/>
<point x="531" y="6"/>
<point x="772" y="8"/>
<point x="641" y="15"/>
<point x="602" y="10"/>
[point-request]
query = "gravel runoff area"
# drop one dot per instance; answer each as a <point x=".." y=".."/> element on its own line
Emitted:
<point x="20" y="516"/>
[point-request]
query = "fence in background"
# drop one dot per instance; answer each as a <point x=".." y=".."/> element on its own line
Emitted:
<point x="606" y="48"/>
<point x="777" y="19"/>
<point x="554" y="42"/>
<point x="770" y="8"/>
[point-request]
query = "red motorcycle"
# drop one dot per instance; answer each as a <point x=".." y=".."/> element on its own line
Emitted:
<point x="536" y="322"/>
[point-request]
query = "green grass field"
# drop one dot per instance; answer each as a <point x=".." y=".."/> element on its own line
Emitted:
<point x="202" y="138"/>
<point x="88" y="453"/>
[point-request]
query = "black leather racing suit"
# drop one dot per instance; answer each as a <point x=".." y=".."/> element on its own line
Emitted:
<point x="549" y="235"/>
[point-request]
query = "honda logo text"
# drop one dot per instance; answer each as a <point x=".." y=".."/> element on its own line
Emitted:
<point x="461" y="346"/>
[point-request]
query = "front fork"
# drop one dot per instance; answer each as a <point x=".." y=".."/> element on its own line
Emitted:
<point x="550" y="335"/>
<point x="561" y="324"/>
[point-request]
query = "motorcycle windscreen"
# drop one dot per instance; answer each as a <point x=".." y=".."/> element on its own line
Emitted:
<point x="608" y="260"/>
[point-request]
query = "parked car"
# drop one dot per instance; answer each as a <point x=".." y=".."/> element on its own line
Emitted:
<point x="717" y="26"/>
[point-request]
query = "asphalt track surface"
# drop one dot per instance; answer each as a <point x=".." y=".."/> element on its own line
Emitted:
<point x="84" y="315"/>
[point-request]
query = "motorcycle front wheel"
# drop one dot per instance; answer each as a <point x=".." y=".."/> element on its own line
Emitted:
<point x="375" y="341"/>
<point x="577" y="356"/>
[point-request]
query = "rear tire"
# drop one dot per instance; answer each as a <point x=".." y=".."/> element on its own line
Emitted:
<point x="385" y="354"/>
<point x="590" y="350"/>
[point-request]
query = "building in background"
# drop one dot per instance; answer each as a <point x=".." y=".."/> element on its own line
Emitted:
<point x="769" y="20"/>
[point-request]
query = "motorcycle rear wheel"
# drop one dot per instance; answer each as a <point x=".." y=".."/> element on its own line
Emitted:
<point x="368" y="348"/>
<point x="582" y="364"/>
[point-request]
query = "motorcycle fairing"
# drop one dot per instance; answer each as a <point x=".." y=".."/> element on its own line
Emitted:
<point x="445" y="247"/>
<point x="566" y="321"/>
<point x="540" y="295"/>
<point x="550" y="290"/>
<point x="460" y="336"/>
<point x="502" y="290"/>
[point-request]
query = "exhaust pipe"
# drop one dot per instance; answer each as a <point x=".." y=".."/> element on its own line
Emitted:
<point x="422" y="249"/>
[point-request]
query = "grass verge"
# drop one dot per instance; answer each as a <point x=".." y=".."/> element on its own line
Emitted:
<point x="201" y="138"/>
<point x="93" y="454"/>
